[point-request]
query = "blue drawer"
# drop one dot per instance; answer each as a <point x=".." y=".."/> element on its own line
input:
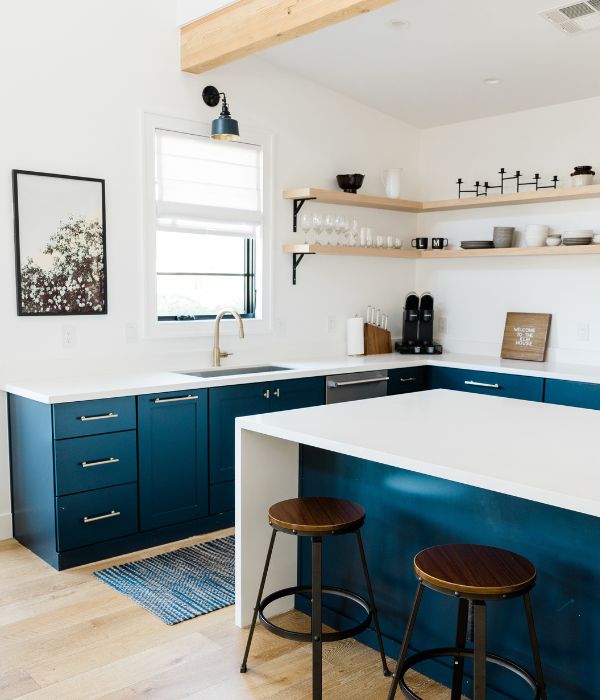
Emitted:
<point x="95" y="461"/>
<point x="512" y="386"/>
<point x="406" y="380"/>
<point x="95" y="516"/>
<point x="580" y="394"/>
<point x="93" y="417"/>
<point x="222" y="497"/>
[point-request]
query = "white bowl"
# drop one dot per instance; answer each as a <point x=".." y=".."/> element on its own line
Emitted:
<point x="553" y="241"/>
<point x="579" y="233"/>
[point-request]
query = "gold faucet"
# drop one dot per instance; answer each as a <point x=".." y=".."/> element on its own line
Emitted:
<point x="216" y="353"/>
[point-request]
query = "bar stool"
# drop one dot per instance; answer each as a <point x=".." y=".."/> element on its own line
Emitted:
<point x="316" y="518"/>
<point x="475" y="575"/>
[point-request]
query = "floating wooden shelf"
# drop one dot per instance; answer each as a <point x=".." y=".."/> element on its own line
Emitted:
<point x="368" y="201"/>
<point x="299" y="250"/>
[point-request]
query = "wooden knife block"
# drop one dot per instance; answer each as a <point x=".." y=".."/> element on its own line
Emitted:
<point x="377" y="340"/>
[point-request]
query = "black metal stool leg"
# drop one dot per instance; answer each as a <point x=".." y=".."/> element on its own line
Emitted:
<point x="461" y="640"/>
<point x="243" y="667"/>
<point x="316" y="627"/>
<point x="363" y="559"/>
<point x="480" y="650"/>
<point x="406" y="641"/>
<point x="535" y="650"/>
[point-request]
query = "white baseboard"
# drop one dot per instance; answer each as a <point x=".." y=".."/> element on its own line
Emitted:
<point x="6" y="531"/>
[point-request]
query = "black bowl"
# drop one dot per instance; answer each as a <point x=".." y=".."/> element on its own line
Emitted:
<point x="350" y="183"/>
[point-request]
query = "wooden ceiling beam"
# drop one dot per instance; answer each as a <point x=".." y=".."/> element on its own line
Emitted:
<point x="248" y="26"/>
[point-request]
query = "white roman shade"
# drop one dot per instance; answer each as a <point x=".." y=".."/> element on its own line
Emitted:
<point x="208" y="187"/>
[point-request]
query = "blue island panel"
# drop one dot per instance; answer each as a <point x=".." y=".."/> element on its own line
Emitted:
<point x="407" y="512"/>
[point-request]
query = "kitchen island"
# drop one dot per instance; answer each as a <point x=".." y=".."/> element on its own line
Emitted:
<point x="432" y="468"/>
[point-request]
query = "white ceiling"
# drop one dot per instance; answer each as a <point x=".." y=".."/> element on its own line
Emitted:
<point x="432" y="72"/>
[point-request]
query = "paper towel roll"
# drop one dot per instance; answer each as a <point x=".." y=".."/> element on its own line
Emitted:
<point x="355" y="337"/>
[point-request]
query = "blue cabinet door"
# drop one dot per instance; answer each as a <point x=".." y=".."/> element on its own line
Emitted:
<point x="580" y="394"/>
<point x="173" y="458"/>
<point x="297" y="393"/>
<point x="225" y="404"/>
<point x="511" y="386"/>
<point x="407" y="380"/>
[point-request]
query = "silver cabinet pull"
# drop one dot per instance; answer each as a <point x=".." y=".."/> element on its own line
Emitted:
<point x="267" y="394"/>
<point x="277" y="393"/>
<point x="483" y="384"/>
<point x="112" y="514"/>
<point x="110" y="460"/>
<point x="102" y="417"/>
<point x="408" y="379"/>
<point x="334" y="385"/>
<point x="190" y="397"/>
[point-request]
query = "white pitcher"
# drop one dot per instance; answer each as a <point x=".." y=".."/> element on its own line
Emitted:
<point x="391" y="182"/>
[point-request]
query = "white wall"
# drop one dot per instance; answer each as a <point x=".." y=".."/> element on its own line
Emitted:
<point x="75" y="85"/>
<point x="474" y="295"/>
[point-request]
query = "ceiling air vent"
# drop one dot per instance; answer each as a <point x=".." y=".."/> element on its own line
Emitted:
<point x="575" y="18"/>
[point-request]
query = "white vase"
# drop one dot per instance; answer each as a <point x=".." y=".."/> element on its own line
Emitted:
<point x="391" y="182"/>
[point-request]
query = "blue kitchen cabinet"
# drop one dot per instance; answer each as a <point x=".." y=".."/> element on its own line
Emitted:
<point x="511" y="386"/>
<point x="407" y="380"/>
<point x="230" y="402"/>
<point x="565" y="393"/>
<point x="173" y="458"/>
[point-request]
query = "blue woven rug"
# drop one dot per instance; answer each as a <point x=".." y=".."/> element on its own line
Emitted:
<point x="179" y="585"/>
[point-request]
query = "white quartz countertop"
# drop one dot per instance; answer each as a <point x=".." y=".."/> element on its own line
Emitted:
<point x="540" y="452"/>
<point x="50" y="387"/>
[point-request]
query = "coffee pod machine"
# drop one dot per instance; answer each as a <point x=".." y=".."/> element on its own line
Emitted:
<point x="417" y="327"/>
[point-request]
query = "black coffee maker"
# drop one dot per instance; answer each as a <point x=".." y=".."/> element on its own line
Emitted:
<point x="417" y="328"/>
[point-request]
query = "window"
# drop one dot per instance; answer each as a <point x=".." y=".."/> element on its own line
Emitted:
<point x="208" y="222"/>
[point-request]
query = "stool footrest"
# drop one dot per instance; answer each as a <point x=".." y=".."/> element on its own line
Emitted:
<point x="464" y="653"/>
<point x="306" y="636"/>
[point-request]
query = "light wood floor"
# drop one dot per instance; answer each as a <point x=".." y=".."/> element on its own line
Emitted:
<point x="65" y="635"/>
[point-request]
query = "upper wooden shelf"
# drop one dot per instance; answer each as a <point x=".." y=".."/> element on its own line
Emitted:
<point x="369" y="201"/>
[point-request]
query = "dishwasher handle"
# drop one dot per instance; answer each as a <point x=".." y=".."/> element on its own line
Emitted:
<point x="335" y="385"/>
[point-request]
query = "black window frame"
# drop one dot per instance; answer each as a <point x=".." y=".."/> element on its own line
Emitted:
<point x="249" y="276"/>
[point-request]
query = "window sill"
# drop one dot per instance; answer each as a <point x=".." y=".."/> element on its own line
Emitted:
<point x="206" y="327"/>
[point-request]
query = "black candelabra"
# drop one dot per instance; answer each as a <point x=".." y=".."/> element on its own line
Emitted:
<point x="483" y="190"/>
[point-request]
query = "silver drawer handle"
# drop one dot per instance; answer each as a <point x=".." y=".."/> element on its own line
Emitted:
<point x="112" y="514"/>
<point x="408" y="379"/>
<point x="110" y="460"/>
<point x="267" y="394"/>
<point x="190" y="397"/>
<point x="103" y="417"/>
<point x="483" y="384"/>
<point x="277" y="393"/>
<point x="334" y="385"/>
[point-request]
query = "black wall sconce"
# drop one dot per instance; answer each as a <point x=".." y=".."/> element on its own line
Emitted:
<point x="225" y="128"/>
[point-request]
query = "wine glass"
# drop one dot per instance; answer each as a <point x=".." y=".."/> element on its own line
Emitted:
<point x="306" y="222"/>
<point x="353" y="229"/>
<point x="341" y="227"/>
<point x="317" y="224"/>
<point x="329" y="225"/>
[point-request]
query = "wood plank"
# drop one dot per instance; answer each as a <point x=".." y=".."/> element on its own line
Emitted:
<point x="354" y="200"/>
<point x="248" y="26"/>
<point x="364" y="200"/>
<point x="350" y="250"/>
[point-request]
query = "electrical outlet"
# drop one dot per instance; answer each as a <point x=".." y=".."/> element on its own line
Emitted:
<point x="583" y="332"/>
<point x="69" y="336"/>
<point x="131" y="333"/>
<point x="331" y="324"/>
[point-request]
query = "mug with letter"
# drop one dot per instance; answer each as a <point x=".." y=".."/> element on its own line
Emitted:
<point x="439" y="243"/>
<point x="420" y="243"/>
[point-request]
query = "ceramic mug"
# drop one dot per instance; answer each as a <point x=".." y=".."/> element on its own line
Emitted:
<point x="439" y="243"/>
<point x="420" y="243"/>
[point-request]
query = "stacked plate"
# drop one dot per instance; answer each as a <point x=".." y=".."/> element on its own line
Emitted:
<point x="579" y="237"/>
<point x="476" y="245"/>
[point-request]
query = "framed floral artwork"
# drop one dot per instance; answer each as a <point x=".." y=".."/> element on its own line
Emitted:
<point x="60" y="244"/>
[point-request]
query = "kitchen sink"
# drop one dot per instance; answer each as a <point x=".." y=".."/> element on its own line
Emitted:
<point x="208" y="373"/>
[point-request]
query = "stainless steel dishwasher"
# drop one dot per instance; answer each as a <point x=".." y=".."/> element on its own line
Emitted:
<point x="356" y="385"/>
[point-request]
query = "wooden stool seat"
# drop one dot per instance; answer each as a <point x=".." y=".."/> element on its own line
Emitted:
<point x="474" y="570"/>
<point x="317" y="515"/>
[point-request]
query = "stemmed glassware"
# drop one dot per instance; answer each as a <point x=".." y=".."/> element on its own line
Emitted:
<point x="329" y="226"/>
<point x="306" y="222"/>
<point x="317" y="224"/>
<point x="341" y="227"/>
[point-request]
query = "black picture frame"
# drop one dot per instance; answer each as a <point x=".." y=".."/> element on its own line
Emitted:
<point x="89" y="298"/>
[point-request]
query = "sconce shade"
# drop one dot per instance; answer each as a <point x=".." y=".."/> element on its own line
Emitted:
<point x="225" y="128"/>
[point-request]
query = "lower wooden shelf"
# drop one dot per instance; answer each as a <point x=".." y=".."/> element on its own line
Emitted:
<point x="299" y="250"/>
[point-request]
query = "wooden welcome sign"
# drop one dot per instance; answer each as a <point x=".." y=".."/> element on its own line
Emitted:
<point x="526" y="336"/>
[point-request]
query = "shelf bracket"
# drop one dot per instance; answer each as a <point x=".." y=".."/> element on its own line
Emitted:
<point x="297" y="259"/>
<point x="298" y="204"/>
